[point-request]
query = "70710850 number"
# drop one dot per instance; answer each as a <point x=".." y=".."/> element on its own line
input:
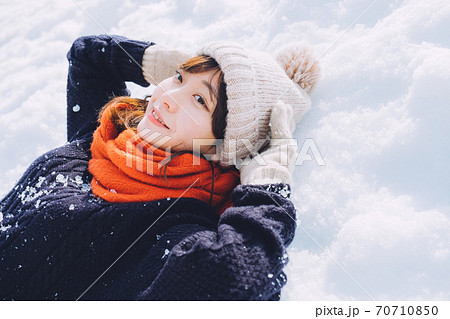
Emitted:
<point x="407" y="310"/>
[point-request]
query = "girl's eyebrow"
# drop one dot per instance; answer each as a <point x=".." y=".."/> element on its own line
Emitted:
<point x="212" y="91"/>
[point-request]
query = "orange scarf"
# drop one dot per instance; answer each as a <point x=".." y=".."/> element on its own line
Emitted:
<point x="126" y="169"/>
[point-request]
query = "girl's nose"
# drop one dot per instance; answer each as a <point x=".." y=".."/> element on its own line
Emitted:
<point x="170" y="101"/>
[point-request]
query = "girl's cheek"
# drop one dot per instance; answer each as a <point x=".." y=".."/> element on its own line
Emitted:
<point x="157" y="92"/>
<point x="161" y="88"/>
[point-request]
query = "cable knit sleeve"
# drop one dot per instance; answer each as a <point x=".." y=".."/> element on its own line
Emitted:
<point x="242" y="260"/>
<point x="99" y="66"/>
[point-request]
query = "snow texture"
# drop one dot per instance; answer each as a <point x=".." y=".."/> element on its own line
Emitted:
<point x="374" y="220"/>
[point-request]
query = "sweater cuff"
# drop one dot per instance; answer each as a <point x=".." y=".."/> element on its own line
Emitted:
<point x="129" y="57"/>
<point x="160" y="63"/>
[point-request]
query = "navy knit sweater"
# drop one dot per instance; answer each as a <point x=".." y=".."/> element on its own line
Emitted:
<point x="60" y="242"/>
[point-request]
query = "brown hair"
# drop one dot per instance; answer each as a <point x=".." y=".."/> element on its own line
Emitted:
<point x="130" y="118"/>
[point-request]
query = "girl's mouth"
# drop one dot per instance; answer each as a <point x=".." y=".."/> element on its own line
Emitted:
<point x="154" y="118"/>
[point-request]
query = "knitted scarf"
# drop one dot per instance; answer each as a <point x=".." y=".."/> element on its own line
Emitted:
<point x="127" y="169"/>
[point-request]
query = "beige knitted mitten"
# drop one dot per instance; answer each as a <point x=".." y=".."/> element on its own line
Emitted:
<point x="160" y="63"/>
<point x="276" y="164"/>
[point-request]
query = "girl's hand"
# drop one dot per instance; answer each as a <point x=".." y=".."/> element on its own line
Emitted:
<point x="275" y="164"/>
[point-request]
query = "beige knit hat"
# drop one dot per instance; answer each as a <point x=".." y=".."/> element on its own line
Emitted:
<point x="255" y="82"/>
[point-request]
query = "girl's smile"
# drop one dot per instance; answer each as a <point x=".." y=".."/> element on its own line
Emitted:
<point x="156" y="119"/>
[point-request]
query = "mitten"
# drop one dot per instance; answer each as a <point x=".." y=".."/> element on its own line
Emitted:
<point x="276" y="163"/>
<point x="160" y="63"/>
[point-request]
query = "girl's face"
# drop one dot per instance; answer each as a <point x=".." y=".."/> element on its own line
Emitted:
<point x="180" y="111"/>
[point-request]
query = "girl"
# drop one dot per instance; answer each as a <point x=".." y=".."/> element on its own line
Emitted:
<point x="144" y="201"/>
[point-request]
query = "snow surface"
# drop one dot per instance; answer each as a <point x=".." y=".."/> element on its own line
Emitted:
<point x="374" y="221"/>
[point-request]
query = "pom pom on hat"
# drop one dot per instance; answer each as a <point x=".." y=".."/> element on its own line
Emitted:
<point x="300" y="65"/>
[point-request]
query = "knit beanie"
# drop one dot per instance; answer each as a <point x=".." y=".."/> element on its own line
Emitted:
<point x="255" y="82"/>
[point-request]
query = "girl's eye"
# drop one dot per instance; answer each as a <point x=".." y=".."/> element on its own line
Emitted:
<point x="179" y="77"/>
<point x="200" y="100"/>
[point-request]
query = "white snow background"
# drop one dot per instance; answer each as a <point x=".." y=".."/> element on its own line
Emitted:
<point x="374" y="222"/>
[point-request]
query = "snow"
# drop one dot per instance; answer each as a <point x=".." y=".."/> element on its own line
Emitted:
<point x="374" y="220"/>
<point x="166" y="253"/>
